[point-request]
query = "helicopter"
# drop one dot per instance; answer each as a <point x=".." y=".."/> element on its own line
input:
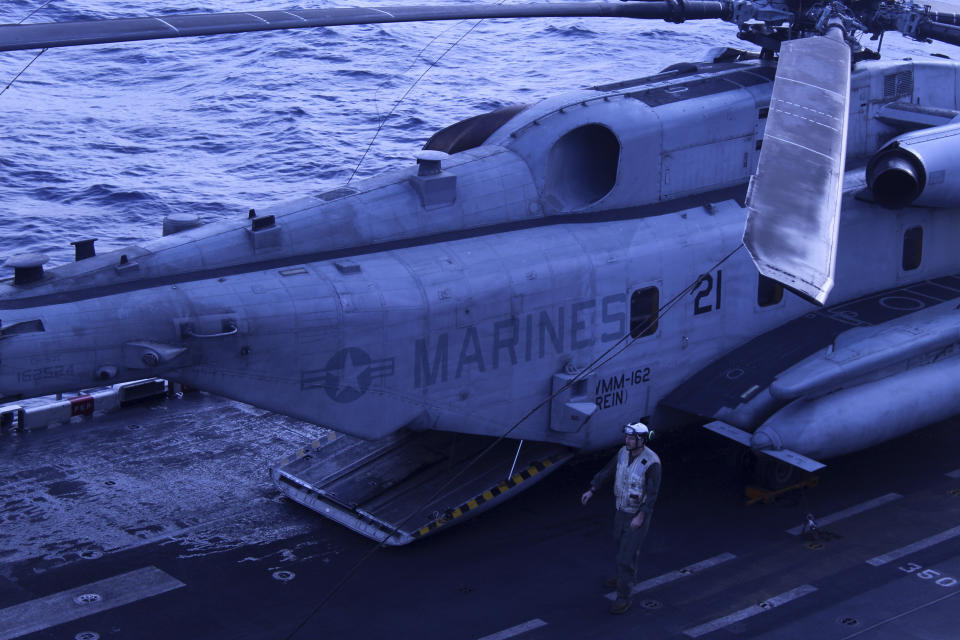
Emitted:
<point x="550" y="271"/>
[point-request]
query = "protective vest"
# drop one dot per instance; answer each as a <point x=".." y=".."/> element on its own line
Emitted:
<point x="630" y="487"/>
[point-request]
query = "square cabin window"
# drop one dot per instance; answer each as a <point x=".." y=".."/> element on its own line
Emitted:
<point x="912" y="248"/>
<point x="644" y="307"/>
<point x="769" y="291"/>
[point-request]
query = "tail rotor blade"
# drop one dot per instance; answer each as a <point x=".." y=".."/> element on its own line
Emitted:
<point x="793" y="204"/>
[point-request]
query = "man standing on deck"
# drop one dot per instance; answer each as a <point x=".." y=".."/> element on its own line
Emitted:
<point x="636" y="472"/>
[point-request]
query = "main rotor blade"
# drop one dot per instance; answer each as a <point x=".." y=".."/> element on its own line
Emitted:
<point x="793" y="204"/>
<point x="15" y="37"/>
<point x="939" y="31"/>
<point x="941" y="10"/>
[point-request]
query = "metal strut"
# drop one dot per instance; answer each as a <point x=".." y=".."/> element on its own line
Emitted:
<point x="514" y="465"/>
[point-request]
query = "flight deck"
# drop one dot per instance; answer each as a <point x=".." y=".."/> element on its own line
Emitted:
<point x="161" y="521"/>
<point x="697" y="211"/>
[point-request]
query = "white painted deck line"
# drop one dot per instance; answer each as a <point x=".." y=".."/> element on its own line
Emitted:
<point x="851" y="511"/>
<point x="529" y="625"/>
<point x="900" y="615"/>
<point x="42" y="613"/>
<point x="751" y="611"/>
<point x="676" y="575"/>
<point x="916" y="546"/>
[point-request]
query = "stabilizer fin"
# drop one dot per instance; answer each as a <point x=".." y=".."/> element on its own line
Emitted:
<point x="745" y="438"/>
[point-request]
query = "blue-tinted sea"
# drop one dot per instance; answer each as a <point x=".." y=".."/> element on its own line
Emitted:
<point x="104" y="141"/>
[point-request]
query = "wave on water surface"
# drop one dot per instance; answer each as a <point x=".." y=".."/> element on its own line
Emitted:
<point x="105" y="140"/>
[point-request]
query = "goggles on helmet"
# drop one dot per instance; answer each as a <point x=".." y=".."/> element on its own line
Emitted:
<point x="636" y="429"/>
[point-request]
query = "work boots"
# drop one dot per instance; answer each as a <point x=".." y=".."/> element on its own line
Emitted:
<point x="621" y="605"/>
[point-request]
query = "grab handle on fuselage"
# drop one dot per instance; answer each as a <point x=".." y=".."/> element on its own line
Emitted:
<point x="230" y="328"/>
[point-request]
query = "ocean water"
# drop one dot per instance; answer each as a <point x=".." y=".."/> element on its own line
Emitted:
<point x="104" y="141"/>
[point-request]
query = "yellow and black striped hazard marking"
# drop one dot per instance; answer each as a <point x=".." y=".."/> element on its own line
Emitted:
<point x="487" y="495"/>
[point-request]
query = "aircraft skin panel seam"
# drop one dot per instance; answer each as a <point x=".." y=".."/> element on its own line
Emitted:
<point x="548" y="221"/>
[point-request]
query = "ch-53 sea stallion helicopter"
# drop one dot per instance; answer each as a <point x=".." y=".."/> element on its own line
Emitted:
<point x="550" y="271"/>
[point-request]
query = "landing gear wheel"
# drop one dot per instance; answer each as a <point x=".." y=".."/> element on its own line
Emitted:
<point x="774" y="474"/>
<point x="741" y="463"/>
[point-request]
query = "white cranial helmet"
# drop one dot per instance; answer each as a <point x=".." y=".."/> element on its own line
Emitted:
<point x="636" y="429"/>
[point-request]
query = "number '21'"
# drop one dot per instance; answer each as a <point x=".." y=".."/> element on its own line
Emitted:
<point x="703" y="292"/>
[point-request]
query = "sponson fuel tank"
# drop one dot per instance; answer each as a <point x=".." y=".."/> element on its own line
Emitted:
<point x="852" y="419"/>
<point x="850" y="395"/>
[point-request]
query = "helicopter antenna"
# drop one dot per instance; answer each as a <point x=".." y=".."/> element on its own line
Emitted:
<point x="420" y="54"/>
<point x="26" y="66"/>
<point x="27" y="17"/>
<point x="406" y="93"/>
<point x="20" y="73"/>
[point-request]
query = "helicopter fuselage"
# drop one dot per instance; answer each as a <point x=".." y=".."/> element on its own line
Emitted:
<point x="458" y="298"/>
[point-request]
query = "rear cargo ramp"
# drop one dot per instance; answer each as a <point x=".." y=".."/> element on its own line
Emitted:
<point x="388" y="486"/>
